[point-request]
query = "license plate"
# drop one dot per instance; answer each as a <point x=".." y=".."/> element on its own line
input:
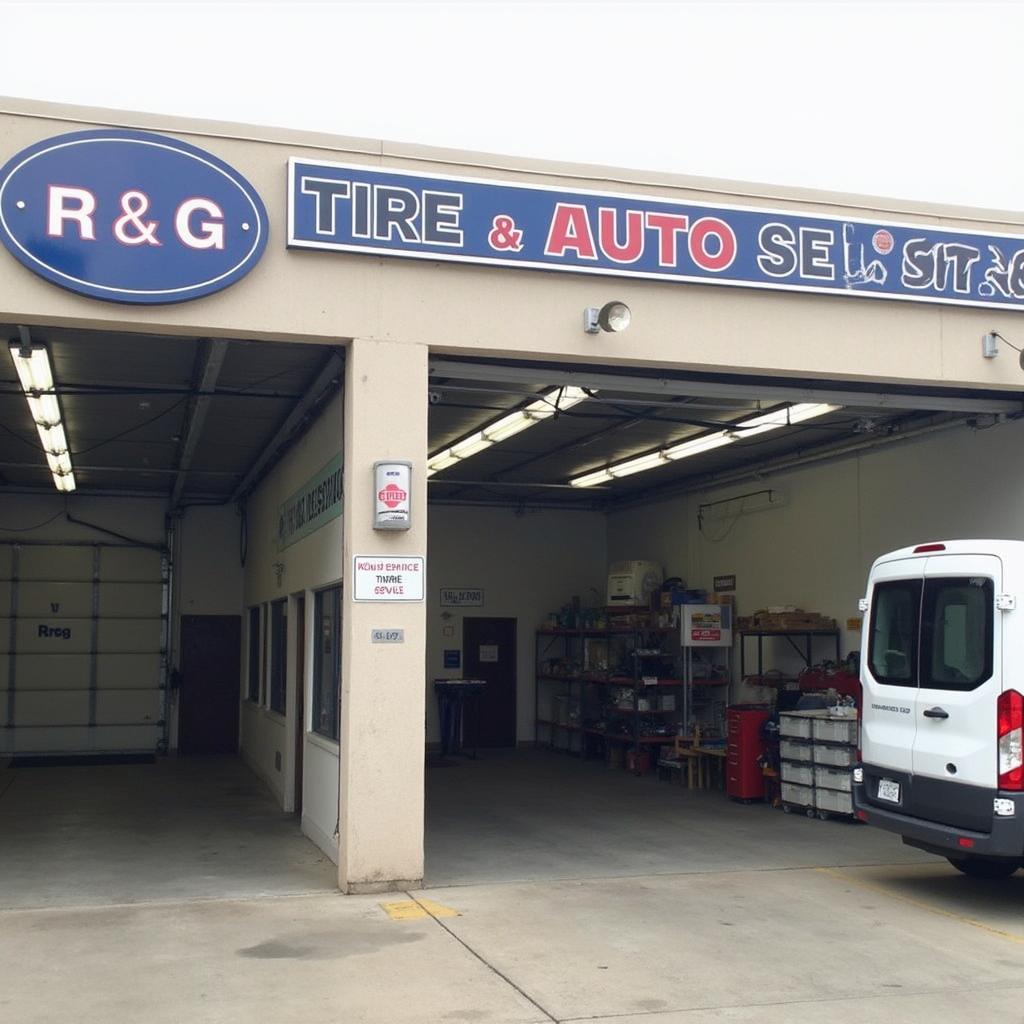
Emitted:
<point x="889" y="790"/>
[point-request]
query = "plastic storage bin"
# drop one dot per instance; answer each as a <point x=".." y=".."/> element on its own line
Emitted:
<point x="795" y="750"/>
<point x="833" y="801"/>
<point x="835" y="730"/>
<point x="797" y="773"/>
<point x="800" y="796"/>
<point x="832" y="778"/>
<point x="837" y="757"/>
<point x="795" y="726"/>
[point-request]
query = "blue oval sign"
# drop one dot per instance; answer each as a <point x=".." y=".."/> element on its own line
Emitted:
<point x="130" y="217"/>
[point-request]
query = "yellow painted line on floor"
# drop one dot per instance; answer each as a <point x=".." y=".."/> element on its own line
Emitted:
<point x="921" y="904"/>
<point x="414" y="910"/>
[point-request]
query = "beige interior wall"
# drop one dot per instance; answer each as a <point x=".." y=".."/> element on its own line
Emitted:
<point x="309" y="564"/>
<point x="814" y="550"/>
<point x="528" y="564"/>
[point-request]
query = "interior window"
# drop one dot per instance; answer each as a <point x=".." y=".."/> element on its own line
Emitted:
<point x="892" y="647"/>
<point x="957" y="628"/>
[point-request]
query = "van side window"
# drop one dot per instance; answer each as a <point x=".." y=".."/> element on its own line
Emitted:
<point x="892" y="647"/>
<point x="956" y="633"/>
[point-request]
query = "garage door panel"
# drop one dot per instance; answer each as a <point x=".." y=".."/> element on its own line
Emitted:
<point x="132" y="599"/>
<point x="134" y="635"/>
<point x="50" y="707"/>
<point x="128" y="671"/>
<point x="81" y="635"/>
<point x="53" y="636"/>
<point x="53" y="671"/>
<point x="55" y="563"/>
<point x="53" y="599"/>
<point x="128" y="707"/>
<point x="128" y="564"/>
<point x="119" y="737"/>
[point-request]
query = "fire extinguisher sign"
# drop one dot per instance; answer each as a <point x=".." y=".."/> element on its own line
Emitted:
<point x="392" y="495"/>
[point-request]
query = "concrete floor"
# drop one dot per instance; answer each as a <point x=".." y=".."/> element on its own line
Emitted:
<point x="742" y="916"/>
<point x="539" y="815"/>
<point x="179" y="829"/>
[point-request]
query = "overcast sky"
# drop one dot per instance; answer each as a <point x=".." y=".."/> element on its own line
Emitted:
<point x="920" y="100"/>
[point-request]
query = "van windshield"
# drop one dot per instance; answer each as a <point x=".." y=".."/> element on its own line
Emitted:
<point x="956" y="633"/>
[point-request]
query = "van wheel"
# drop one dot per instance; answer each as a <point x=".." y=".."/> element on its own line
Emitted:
<point x="985" y="867"/>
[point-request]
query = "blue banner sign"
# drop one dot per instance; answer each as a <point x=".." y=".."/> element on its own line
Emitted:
<point x="130" y="217"/>
<point x="356" y="208"/>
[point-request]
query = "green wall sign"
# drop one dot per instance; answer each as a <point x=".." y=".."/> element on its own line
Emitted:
<point x="315" y="503"/>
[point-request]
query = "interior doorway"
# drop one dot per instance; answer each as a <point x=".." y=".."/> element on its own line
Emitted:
<point x="210" y="671"/>
<point x="489" y="653"/>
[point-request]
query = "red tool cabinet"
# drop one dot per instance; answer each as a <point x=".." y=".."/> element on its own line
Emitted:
<point x="745" y="745"/>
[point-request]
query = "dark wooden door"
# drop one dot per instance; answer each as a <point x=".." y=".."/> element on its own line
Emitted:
<point x="489" y="653"/>
<point x="210" y="679"/>
<point x="300" y="695"/>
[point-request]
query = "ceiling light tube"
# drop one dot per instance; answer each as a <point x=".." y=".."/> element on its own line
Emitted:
<point x="707" y="442"/>
<point x="552" y="401"/>
<point x="65" y="483"/>
<point x="638" y="465"/>
<point x="59" y="464"/>
<point x="45" y="409"/>
<point x="33" y="366"/>
<point x="52" y="438"/>
<point x="698" y="444"/>
<point x="599" y="476"/>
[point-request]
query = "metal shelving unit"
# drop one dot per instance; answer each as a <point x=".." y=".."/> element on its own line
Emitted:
<point x="573" y="692"/>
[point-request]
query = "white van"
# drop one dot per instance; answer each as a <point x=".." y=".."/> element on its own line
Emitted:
<point x="942" y="666"/>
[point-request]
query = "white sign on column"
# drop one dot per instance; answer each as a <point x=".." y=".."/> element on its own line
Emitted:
<point x="388" y="578"/>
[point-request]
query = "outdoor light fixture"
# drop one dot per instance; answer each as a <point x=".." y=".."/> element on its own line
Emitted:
<point x="550" y="402"/>
<point x="32" y="363"/>
<point x="784" y="417"/>
<point x="612" y="317"/>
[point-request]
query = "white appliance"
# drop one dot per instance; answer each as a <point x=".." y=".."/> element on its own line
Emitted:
<point x="632" y="583"/>
<point x="706" y="625"/>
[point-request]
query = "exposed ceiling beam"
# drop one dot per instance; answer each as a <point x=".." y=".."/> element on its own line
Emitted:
<point x="209" y="360"/>
<point x="328" y="378"/>
<point x="653" y="385"/>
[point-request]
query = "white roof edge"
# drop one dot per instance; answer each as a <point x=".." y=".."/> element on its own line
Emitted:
<point x="727" y="190"/>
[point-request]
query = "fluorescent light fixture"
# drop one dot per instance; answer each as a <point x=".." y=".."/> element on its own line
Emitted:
<point x="543" y="408"/>
<point x="52" y="438"/>
<point x="32" y="363"/>
<point x="33" y="366"/>
<point x="740" y="431"/>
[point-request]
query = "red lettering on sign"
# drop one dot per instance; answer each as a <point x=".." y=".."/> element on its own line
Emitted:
<point x="392" y="495"/>
<point x="570" y="229"/>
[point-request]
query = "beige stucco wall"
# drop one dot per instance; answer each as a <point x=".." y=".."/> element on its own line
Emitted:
<point x="503" y="312"/>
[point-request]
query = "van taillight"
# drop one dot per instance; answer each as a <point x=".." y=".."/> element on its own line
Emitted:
<point x="1011" y="740"/>
<point x="921" y="548"/>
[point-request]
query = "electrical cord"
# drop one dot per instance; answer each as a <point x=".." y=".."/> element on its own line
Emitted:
<point x="29" y="529"/>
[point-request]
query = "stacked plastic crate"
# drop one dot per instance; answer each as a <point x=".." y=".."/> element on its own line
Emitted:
<point x="818" y="750"/>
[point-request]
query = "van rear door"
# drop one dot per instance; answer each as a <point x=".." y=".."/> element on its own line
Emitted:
<point x="960" y="672"/>
<point x="889" y="673"/>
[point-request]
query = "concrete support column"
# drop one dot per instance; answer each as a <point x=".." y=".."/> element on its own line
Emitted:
<point x="380" y="845"/>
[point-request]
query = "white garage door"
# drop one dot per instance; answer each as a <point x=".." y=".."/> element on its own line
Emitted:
<point x="83" y="636"/>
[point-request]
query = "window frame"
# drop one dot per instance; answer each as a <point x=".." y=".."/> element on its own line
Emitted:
<point x="933" y="586"/>
<point x="252" y="682"/>
<point x="316" y="704"/>
<point x="277" y="684"/>
<point x="915" y="585"/>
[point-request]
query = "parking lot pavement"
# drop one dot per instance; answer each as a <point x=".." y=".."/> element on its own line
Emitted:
<point x="904" y="943"/>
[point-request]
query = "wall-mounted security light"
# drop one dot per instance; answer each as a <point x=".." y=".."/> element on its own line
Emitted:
<point x="551" y="402"/>
<point x="32" y="363"/>
<point x="738" y="431"/>
<point x="611" y="317"/>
